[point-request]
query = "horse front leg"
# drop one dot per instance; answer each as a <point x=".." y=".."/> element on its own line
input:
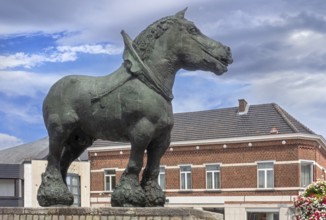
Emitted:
<point x="154" y="196"/>
<point x="128" y="192"/>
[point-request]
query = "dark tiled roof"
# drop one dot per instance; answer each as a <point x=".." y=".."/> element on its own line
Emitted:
<point x="227" y="123"/>
<point x="37" y="150"/>
<point x="25" y="152"/>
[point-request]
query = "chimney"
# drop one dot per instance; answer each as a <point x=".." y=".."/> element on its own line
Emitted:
<point x="243" y="107"/>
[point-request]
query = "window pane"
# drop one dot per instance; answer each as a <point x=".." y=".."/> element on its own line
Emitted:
<point x="261" y="179"/>
<point x="108" y="183"/>
<point x="76" y="199"/>
<point x="107" y="172"/>
<point x="216" y="180"/>
<point x="212" y="167"/>
<point x="74" y="181"/>
<point x="270" y="179"/>
<point x="68" y="180"/>
<point x="185" y="168"/>
<point x="74" y="190"/>
<point x="113" y="182"/>
<point x="162" y="181"/>
<point x="268" y="165"/>
<point x="188" y="180"/>
<point x="7" y="187"/>
<point x="161" y="178"/>
<point x="183" y="179"/>
<point x="209" y="181"/>
<point x="305" y="174"/>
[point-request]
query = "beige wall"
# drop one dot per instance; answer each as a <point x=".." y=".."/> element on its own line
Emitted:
<point x="37" y="167"/>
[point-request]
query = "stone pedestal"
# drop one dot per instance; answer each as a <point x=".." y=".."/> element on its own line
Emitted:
<point x="55" y="213"/>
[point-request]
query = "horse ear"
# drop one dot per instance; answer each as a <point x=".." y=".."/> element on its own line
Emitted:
<point x="181" y="14"/>
<point x="130" y="61"/>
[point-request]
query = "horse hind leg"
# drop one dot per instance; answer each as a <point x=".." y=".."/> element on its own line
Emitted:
<point x="76" y="144"/>
<point x="53" y="190"/>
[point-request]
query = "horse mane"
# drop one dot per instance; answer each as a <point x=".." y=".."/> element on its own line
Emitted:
<point x="144" y="42"/>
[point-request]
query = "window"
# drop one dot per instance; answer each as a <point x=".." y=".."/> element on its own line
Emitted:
<point x="262" y="216"/>
<point x="306" y="173"/>
<point x="265" y="175"/>
<point x="161" y="178"/>
<point x="109" y="180"/>
<point x="213" y="177"/>
<point x="185" y="177"/>
<point x="7" y="187"/>
<point x="73" y="184"/>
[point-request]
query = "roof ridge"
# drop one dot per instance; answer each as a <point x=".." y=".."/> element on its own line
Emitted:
<point x="289" y="118"/>
<point x="281" y="112"/>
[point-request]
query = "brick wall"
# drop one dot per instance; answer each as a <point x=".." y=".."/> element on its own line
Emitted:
<point x="238" y="166"/>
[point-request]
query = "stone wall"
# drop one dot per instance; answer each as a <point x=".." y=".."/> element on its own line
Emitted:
<point x="60" y="213"/>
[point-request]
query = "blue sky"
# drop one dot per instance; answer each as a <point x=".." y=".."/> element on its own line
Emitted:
<point x="278" y="49"/>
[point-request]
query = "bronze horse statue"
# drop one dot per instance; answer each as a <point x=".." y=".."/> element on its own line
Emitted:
<point x="133" y="104"/>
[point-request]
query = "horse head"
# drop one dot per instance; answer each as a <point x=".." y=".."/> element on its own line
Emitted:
<point x="180" y="42"/>
<point x="198" y="52"/>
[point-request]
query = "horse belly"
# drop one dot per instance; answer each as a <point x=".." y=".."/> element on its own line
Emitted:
<point x="104" y="120"/>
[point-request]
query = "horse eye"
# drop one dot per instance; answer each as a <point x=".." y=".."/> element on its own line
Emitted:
<point x="193" y="30"/>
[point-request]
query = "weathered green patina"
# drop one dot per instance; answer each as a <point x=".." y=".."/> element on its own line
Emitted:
<point x="133" y="104"/>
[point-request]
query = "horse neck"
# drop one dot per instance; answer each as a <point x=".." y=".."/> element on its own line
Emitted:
<point x="164" y="69"/>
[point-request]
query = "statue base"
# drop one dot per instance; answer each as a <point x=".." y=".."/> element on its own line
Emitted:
<point x="63" y="213"/>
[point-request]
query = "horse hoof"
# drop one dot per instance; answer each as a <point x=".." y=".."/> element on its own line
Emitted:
<point x="154" y="196"/>
<point x="53" y="192"/>
<point x="128" y="193"/>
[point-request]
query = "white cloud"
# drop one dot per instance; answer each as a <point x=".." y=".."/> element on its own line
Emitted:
<point x="23" y="112"/>
<point x="21" y="83"/>
<point x="31" y="60"/>
<point x="7" y="140"/>
<point x="85" y="21"/>
<point x="299" y="90"/>
<point x="59" y="54"/>
<point x="20" y="59"/>
<point x="91" y="49"/>
<point x="305" y="43"/>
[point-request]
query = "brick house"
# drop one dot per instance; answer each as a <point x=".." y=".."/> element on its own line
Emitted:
<point x="247" y="162"/>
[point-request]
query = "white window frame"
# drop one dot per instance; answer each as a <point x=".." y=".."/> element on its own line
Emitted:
<point x="311" y="164"/>
<point x="74" y="188"/>
<point x="265" y="174"/>
<point x="213" y="172"/>
<point x="186" y="173"/>
<point x="109" y="176"/>
<point x="162" y="173"/>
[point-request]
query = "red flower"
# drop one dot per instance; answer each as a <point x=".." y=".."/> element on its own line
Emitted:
<point x="324" y="200"/>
